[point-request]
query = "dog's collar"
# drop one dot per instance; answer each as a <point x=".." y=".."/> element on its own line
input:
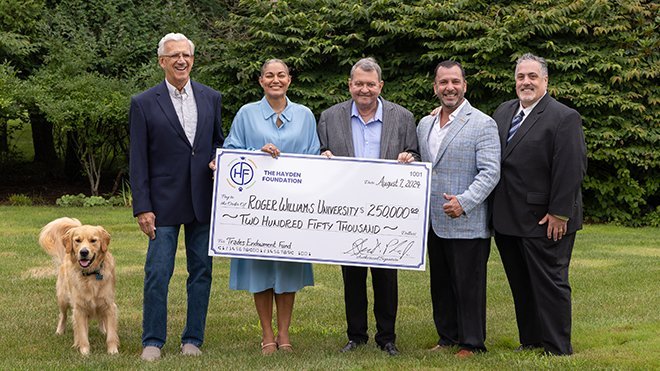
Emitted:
<point x="97" y="272"/>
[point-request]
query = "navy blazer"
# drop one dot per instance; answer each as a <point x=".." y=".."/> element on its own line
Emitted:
<point x="170" y="176"/>
<point x="542" y="169"/>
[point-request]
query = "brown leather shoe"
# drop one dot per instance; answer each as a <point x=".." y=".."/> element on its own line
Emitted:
<point x="464" y="353"/>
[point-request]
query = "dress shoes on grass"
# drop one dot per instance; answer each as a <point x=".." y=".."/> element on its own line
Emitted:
<point x="350" y="346"/>
<point x="150" y="353"/>
<point x="464" y="353"/>
<point x="390" y="349"/>
<point x="190" y="350"/>
<point x="529" y="347"/>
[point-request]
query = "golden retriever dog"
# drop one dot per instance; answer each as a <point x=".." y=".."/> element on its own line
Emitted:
<point x="85" y="280"/>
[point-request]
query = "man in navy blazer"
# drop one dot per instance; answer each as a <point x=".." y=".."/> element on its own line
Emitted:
<point x="368" y="126"/>
<point x="175" y="130"/>
<point x="537" y="205"/>
<point x="462" y="144"/>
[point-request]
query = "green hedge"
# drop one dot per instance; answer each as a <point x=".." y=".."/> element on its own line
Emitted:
<point x="603" y="61"/>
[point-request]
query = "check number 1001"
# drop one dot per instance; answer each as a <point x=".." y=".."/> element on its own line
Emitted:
<point x="391" y="212"/>
<point x="408" y="183"/>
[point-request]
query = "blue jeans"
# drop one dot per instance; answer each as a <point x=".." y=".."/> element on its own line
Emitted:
<point x="158" y="270"/>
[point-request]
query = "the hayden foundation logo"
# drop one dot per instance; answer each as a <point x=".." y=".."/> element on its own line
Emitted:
<point x="241" y="173"/>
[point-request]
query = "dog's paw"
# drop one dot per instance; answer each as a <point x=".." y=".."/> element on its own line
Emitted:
<point x="113" y="350"/>
<point x="84" y="351"/>
<point x="59" y="331"/>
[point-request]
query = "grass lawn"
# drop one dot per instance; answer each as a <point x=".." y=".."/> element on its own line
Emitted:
<point x="614" y="274"/>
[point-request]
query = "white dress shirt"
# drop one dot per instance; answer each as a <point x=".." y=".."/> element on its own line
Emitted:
<point x="185" y="107"/>
<point x="437" y="134"/>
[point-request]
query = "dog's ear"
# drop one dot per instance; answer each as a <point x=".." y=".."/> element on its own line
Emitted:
<point x="105" y="238"/>
<point x="67" y="241"/>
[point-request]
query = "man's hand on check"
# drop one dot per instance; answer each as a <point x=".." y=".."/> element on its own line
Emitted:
<point x="405" y="157"/>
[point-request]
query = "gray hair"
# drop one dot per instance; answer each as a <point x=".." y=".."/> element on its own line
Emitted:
<point x="274" y="60"/>
<point x="367" y="65"/>
<point x="174" y="37"/>
<point x="532" y="57"/>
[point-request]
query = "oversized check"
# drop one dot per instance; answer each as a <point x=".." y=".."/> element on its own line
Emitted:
<point x="313" y="209"/>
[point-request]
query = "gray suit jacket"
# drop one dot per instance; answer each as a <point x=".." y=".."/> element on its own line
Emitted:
<point x="398" y="135"/>
<point x="467" y="165"/>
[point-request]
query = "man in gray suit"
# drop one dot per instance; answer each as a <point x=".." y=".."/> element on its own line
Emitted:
<point x="463" y="145"/>
<point x="368" y="126"/>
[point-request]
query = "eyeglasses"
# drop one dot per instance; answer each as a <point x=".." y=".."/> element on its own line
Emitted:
<point x="176" y="56"/>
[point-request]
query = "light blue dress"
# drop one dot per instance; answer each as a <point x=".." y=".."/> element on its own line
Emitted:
<point x="253" y="127"/>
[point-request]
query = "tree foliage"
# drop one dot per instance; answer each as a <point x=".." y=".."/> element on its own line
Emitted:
<point x="90" y="110"/>
<point x="19" y="21"/>
<point x="16" y="20"/>
<point x="75" y="63"/>
<point x="98" y="54"/>
<point x="12" y="114"/>
<point x="602" y="54"/>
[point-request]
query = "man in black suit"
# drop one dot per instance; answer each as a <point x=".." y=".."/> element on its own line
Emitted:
<point x="369" y="126"/>
<point x="537" y="205"/>
<point x="175" y="130"/>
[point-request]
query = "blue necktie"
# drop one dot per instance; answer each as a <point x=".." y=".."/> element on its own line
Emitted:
<point x="515" y="124"/>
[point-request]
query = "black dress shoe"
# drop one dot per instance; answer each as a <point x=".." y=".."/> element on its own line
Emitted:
<point x="531" y="347"/>
<point x="350" y="346"/>
<point x="390" y="349"/>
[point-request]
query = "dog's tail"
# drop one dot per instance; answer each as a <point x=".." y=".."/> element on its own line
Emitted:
<point x="51" y="235"/>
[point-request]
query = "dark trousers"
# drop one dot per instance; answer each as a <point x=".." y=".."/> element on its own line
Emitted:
<point x="537" y="270"/>
<point x="458" y="290"/>
<point x="386" y="297"/>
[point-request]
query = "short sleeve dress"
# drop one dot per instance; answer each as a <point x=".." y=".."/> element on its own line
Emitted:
<point x="253" y="127"/>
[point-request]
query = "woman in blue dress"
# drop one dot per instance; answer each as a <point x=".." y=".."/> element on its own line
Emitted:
<point x="273" y="125"/>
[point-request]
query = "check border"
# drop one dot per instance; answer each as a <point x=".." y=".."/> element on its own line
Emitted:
<point x="418" y="265"/>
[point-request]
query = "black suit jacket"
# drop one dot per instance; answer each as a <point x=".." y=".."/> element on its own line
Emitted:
<point x="169" y="175"/>
<point x="542" y="169"/>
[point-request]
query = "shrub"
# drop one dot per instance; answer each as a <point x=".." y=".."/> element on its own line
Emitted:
<point x="126" y="193"/>
<point x="20" y="200"/>
<point x="95" y="201"/>
<point x="117" y="201"/>
<point x="602" y="57"/>
<point x="71" y="200"/>
<point x="80" y="200"/>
